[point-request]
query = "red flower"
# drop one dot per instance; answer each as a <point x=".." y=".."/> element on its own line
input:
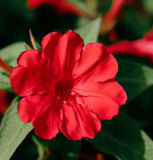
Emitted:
<point x="62" y="6"/>
<point x="141" y="48"/>
<point x="67" y="87"/>
<point x="3" y="102"/>
<point x="116" y="8"/>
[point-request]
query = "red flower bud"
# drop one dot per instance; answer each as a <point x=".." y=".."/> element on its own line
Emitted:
<point x="62" y="6"/>
<point x="114" y="11"/>
<point x="141" y="48"/>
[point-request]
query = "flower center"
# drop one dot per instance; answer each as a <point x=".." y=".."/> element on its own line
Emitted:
<point x="63" y="91"/>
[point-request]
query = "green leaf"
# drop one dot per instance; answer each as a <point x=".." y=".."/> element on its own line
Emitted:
<point x="148" y="143"/>
<point x="132" y="20"/>
<point x="59" y="148"/>
<point x="122" y="138"/>
<point x="89" y="8"/>
<point x="4" y="81"/>
<point x="42" y="148"/>
<point x="10" y="53"/>
<point x="12" y="132"/>
<point x="147" y="4"/>
<point x="90" y="32"/>
<point x="134" y="77"/>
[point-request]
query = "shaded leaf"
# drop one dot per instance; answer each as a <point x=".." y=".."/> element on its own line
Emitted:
<point x="134" y="77"/>
<point x="132" y="20"/>
<point x="4" y="81"/>
<point x="122" y="138"/>
<point x="58" y="148"/>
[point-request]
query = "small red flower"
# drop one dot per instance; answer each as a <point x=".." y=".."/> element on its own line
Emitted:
<point x="3" y="102"/>
<point x="116" y="8"/>
<point x="67" y="87"/>
<point x="141" y="48"/>
<point x="62" y="6"/>
<point x="114" y="11"/>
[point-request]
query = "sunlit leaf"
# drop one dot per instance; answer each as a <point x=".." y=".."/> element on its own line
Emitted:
<point x="10" y="53"/>
<point x="90" y="32"/>
<point x="148" y="6"/>
<point x="12" y="132"/>
<point x="89" y="8"/>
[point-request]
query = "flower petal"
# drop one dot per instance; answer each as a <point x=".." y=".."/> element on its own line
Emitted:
<point x="31" y="77"/>
<point x="46" y="125"/>
<point x="95" y="64"/>
<point x="78" y="122"/>
<point x="142" y="47"/>
<point x="103" y="98"/>
<point x="66" y="53"/>
<point x="104" y="107"/>
<point x="31" y="107"/>
<point x="43" y="111"/>
<point x="49" y="44"/>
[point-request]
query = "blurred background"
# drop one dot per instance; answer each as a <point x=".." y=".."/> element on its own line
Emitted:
<point x="16" y="19"/>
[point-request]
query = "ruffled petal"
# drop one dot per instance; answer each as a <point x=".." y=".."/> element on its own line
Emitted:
<point x="103" y="98"/>
<point x="63" y="51"/>
<point x="78" y="122"/>
<point x="46" y="125"/>
<point x="94" y="65"/>
<point x="31" y="107"/>
<point x="43" y="111"/>
<point x="104" y="107"/>
<point x="33" y="75"/>
<point x="49" y="44"/>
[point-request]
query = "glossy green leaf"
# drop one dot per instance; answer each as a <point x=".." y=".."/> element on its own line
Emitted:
<point x="58" y="148"/>
<point x="90" y="32"/>
<point x="12" y="131"/>
<point x="134" y="77"/>
<point x="122" y="138"/>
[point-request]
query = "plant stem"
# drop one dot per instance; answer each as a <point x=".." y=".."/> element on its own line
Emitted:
<point x="5" y="67"/>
